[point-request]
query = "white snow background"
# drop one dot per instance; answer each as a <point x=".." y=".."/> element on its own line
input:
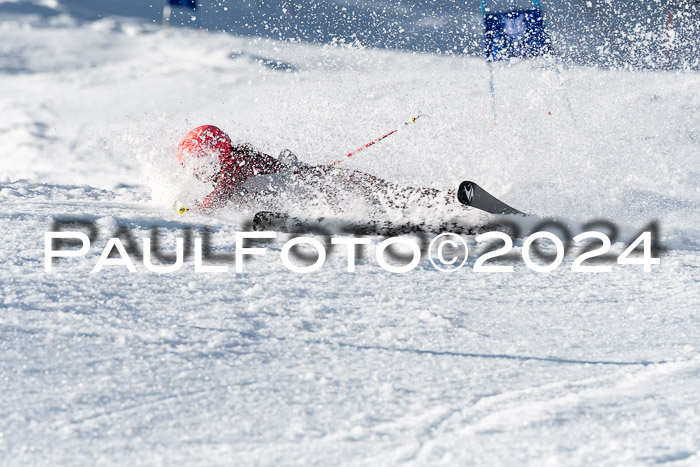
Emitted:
<point x="270" y="367"/>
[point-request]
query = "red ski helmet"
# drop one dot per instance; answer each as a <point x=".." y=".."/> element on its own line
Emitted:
<point x="205" y="141"/>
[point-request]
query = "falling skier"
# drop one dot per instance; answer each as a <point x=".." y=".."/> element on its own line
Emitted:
<point x="239" y="174"/>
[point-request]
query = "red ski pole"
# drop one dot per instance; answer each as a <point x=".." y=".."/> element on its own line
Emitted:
<point x="374" y="141"/>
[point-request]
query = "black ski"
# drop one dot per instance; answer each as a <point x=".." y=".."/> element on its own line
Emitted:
<point x="472" y="195"/>
<point x="281" y="222"/>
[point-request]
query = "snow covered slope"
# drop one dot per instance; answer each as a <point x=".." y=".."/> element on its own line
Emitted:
<point x="272" y="367"/>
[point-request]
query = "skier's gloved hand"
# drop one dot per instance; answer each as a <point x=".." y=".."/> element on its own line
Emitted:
<point x="287" y="158"/>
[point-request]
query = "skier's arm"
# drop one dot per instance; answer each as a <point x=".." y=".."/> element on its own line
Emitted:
<point x="222" y="194"/>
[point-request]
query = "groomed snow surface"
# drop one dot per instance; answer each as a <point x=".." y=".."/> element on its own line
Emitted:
<point x="272" y="367"/>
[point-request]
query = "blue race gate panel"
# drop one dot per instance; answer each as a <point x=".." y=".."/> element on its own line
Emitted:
<point x="186" y="3"/>
<point x="515" y="34"/>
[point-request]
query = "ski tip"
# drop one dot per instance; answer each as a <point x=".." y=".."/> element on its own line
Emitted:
<point x="465" y="193"/>
<point x="472" y="195"/>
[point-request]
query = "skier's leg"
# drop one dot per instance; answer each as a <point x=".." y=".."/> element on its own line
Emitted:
<point x="397" y="196"/>
<point x="334" y="182"/>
